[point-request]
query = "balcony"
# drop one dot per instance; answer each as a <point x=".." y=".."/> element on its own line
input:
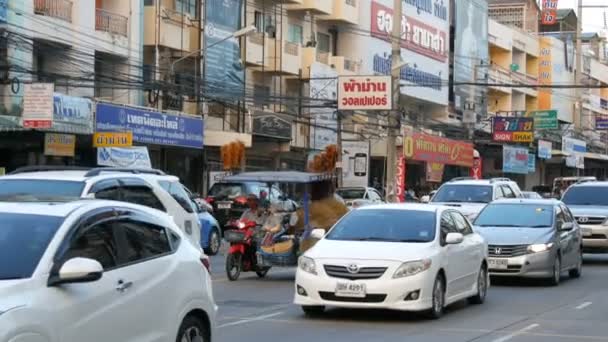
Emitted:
<point x="260" y="50"/>
<point x="344" y="65"/>
<point x="499" y="75"/>
<point x="317" y="7"/>
<point x="60" y="9"/>
<point x="285" y="61"/>
<point x="520" y="78"/>
<point x="109" y="22"/>
<point x="311" y="55"/>
<point x="177" y="31"/>
<point x="344" y="11"/>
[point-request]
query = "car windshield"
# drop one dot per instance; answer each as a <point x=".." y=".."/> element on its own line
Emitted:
<point x="385" y="225"/>
<point x="515" y="215"/>
<point x="464" y="193"/>
<point x="226" y="190"/>
<point x="39" y="189"/>
<point x="23" y="240"/>
<point x="349" y="194"/>
<point x="586" y="195"/>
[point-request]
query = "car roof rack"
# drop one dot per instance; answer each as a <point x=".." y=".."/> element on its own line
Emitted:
<point x="99" y="170"/>
<point x="43" y="168"/>
<point x="586" y="180"/>
<point x="500" y="179"/>
<point x="456" y="179"/>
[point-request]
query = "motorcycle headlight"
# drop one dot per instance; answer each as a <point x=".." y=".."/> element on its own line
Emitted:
<point x="411" y="268"/>
<point x="307" y="264"/>
<point x="537" y="248"/>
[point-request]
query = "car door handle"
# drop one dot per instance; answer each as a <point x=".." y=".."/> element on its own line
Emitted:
<point x="123" y="286"/>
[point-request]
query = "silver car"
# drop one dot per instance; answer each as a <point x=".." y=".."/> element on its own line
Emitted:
<point x="589" y="204"/>
<point x="531" y="238"/>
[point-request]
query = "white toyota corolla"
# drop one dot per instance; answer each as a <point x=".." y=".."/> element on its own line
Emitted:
<point x="408" y="257"/>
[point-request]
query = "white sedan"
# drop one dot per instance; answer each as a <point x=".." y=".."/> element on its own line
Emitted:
<point x="100" y="271"/>
<point x="407" y="257"/>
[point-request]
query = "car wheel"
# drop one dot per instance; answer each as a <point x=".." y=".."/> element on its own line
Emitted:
<point x="192" y="330"/>
<point x="261" y="273"/>
<point x="438" y="303"/>
<point x="482" y="286"/>
<point x="313" y="311"/>
<point x="578" y="270"/>
<point x="557" y="272"/>
<point x="215" y="242"/>
<point x="233" y="266"/>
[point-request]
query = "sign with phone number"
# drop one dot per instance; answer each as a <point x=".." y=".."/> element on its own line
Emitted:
<point x="513" y="129"/>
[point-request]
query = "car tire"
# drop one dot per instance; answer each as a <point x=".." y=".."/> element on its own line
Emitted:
<point x="557" y="272"/>
<point x="438" y="300"/>
<point x="313" y="310"/>
<point x="482" y="286"/>
<point x="215" y="242"/>
<point x="577" y="272"/>
<point x="233" y="266"/>
<point x="192" y="329"/>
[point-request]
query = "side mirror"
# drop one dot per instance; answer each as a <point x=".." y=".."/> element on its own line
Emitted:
<point x="77" y="270"/>
<point x="90" y="195"/>
<point x="425" y="199"/>
<point x="317" y="234"/>
<point x="454" y="238"/>
<point x="566" y="226"/>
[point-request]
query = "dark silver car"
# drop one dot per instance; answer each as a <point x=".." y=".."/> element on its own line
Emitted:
<point x="531" y="238"/>
<point x="589" y="204"/>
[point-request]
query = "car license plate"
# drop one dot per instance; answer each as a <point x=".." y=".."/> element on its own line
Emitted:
<point x="498" y="264"/>
<point x="354" y="290"/>
<point x="587" y="232"/>
<point x="224" y="205"/>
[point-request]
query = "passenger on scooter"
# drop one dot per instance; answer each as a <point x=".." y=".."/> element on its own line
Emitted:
<point x="254" y="213"/>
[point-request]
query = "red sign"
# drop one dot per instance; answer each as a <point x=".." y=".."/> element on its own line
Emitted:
<point x="415" y="35"/>
<point x="476" y="169"/>
<point x="37" y="124"/>
<point x="434" y="172"/>
<point x="434" y="149"/>
<point x="364" y="93"/>
<point x="549" y="12"/>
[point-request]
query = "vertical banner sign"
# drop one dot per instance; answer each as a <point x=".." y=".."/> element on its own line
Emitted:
<point x="355" y="163"/>
<point x="400" y="181"/>
<point x="531" y="163"/>
<point x="38" y="105"/>
<point x="224" y="72"/>
<point x="323" y="89"/>
<point x="514" y="160"/>
<point x="545" y="149"/>
<point x="476" y="169"/>
<point x="549" y="12"/>
<point x="545" y="73"/>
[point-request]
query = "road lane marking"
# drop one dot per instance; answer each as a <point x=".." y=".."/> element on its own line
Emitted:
<point x="584" y="305"/>
<point x="516" y="333"/>
<point x="244" y="321"/>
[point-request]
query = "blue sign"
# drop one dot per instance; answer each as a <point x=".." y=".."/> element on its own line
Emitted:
<point x="150" y="127"/>
<point x="531" y="163"/>
<point x="131" y="157"/>
<point x="514" y="160"/>
<point x="3" y="11"/>
<point x="601" y="122"/>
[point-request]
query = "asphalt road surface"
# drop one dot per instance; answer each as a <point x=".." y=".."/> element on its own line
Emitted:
<point x="253" y="309"/>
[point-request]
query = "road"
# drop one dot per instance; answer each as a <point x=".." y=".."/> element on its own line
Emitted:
<point x="253" y="309"/>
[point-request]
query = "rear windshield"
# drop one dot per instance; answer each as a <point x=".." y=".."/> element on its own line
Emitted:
<point x="39" y="189"/>
<point x="385" y="225"/>
<point x="586" y="195"/>
<point x="515" y="215"/>
<point x="23" y="240"/>
<point x="464" y="193"/>
<point x="226" y="190"/>
<point x="351" y="193"/>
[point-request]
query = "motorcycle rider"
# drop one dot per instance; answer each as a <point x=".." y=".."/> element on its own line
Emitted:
<point x="253" y="213"/>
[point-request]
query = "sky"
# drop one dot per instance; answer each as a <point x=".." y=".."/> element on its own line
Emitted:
<point x="593" y="18"/>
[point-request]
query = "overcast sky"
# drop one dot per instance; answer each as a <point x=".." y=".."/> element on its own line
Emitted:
<point x="593" y="18"/>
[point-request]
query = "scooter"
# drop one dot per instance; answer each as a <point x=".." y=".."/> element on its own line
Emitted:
<point x="241" y="255"/>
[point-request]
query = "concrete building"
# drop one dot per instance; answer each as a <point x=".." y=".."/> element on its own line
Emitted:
<point x="522" y="14"/>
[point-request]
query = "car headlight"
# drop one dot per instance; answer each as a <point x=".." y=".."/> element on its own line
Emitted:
<point x="307" y="264"/>
<point x="542" y="247"/>
<point x="411" y="268"/>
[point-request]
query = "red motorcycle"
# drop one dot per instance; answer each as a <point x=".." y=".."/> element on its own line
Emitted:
<point x="243" y="237"/>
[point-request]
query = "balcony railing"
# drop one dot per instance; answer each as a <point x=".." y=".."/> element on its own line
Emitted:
<point x="350" y="65"/>
<point x="112" y="23"/>
<point x="257" y="38"/>
<point x="60" y="9"/>
<point x="323" y="57"/>
<point x="291" y="48"/>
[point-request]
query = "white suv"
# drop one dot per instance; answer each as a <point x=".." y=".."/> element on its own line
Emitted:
<point x="100" y="271"/>
<point x="151" y="188"/>
<point x="470" y="196"/>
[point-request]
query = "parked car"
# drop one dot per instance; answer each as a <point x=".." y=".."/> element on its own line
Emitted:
<point x="531" y="238"/>
<point x="563" y="183"/>
<point x="470" y="195"/>
<point x="588" y="202"/>
<point x="149" y="187"/>
<point x="211" y="233"/>
<point x="370" y="259"/>
<point x="531" y="195"/>
<point x="100" y="271"/>
<point x="356" y="197"/>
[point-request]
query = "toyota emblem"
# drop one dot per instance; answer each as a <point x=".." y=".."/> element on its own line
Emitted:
<point x="498" y="251"/>
<point x="583" y="219"/>
<point x="352" y="268"/>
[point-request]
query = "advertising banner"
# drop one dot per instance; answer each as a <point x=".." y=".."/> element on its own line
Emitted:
<point x="512" y="129"/>
<point x="127" y="157"/>
<point x="38" y="105"/>
<point x="514" y="160"/>
<point x="72" y="114"/>
<point x="531" y="163"/>
<point x="544" y="119"/>
<point x="545" y="149"/>
<point x="601" y="122"/>
<point x="476" y="170"/>
<point x="355" y="163"/>
<point x="364" y="93"/>
<point x="576" y="160"/>
<point x="150" y="127"/>
<point x="400" y="181"/>
<point x="113" y="139"/>
<point x="428" y="148"/>
<point x="59" y="145"/>
<point x="571" y="145"/>
<point x="545" y="72"/>
<point x="323" y="86"/>
<point x="434" y="172"/>
<point x="549" y="12"/>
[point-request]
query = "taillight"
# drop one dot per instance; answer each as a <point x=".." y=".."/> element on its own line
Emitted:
<point x="206" y="263"/>
<point x="242" y="200"/>
<point x="210" y="200"/>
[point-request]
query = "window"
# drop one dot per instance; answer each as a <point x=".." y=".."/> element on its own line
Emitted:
<point x="568" y="214"/>
<point x="461" y="224"/>
<point x="40" y="188"/>
<point x="323" y="42"/>
<point x="295" y="34"/>
<point x="508" y="192"/>
<point x="96" y="242"/>
<point x="258" y="21"/>
<point x="447" y="225"/>
<point x="464" y="193"/>
<point x="515" y="215"/>
<point x="560" y="217"/>
<point x="186" y="6"/>
<point x="348" y="194"/>
<point x="141" y="195"/>
<point x="143" y="241"/>
<point x="498" y="193"/>
<point x="176" y="190"/>
<point x="581" y="195"/>
<point x="374" y="196"/>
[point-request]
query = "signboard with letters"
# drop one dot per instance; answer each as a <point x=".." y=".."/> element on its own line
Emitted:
<point x="38" y="105"/>
<point x="531" y="163"/>
<point x="355" y="163"/>
<point x="549" y="12"/>
<point x="512" y="129"/>
<point x="515" y="160"/>
<point x="433" y="149"/>
<point x="364" y="93"/>
<point x="59" y="145"/>
<point x="544" y="119"/>
<point x="271" y="125"/>
<point x="571" y="145"/>
<point x="113" y="139"/>
<point x="434" y="172"/>
<point x="545" y="149"/>
<point x="130" y="157"/>
<point x="601" y="122"/>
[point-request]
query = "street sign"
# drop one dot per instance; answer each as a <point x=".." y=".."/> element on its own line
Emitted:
<point x="544" y="119"/>
<point x="113" y="139"/>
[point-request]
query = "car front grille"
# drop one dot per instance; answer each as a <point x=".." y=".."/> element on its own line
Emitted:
<point x="595" y="237"/>
<point x="510" y="269"/>
<point x="590" y="220"/>
<point x="363" y="273"/>
<point x="370" y="298"/>
<point x="507" y="251"/>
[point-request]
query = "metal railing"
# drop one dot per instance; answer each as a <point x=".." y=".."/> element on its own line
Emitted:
<point x="112" y="23"/>
<point x="60" y="9"/>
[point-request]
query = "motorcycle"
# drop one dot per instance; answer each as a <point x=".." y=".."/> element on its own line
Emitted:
<point x="243" y="237"/>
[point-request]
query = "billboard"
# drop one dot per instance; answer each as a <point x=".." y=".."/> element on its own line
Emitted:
<point x="324" y="124"/>
<point x="553" y="69"/>
<point x="433" y="149"/>
<point x="512" y="129"/>
<point x="514" y="160"/>
<point x="355" y="163"/>
<point x="364" y="93"/>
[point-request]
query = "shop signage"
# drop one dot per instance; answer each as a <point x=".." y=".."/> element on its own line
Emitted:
<point x="514" y="160"/>
<point x="355" y="163"/>
<point x="72" y="114"/>
<point x="531" y="163"/>
<point x="604" y="104"/>
<point x="512" y="129"/>
<point x="364" y="93"/>
<point x="59" y="145"/>
<point x="129" y="157"/>
<point x="400" y="181"/>
<point x="434" y="149"/>
<point x="151" y="127"/>
<point x="571" y="145"/>
<point x="38" y="105"/>
<point x="323" y="88"/>
<point x="113" y="139"/>
<point x="434" y="172"/>
<point x="476" y="170"/>
<point x="549" y="12"/>
<point x="271" y="125"/>
<point x="383" y="65"/>
<point x="545" y="149"/>
<point x="576" y="160"/>
<point x="544" y="119"/>
<point x="601" y="122"/>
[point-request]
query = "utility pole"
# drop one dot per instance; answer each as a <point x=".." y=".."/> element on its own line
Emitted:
<point x="579" y="64"/>
<point x="393" y="118"/>
<point x="339" y="170"/>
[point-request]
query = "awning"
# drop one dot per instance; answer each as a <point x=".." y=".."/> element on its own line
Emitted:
<point x="10" y="124"/>
<point x="596" y="156"/>
<point x="559" y="153"/>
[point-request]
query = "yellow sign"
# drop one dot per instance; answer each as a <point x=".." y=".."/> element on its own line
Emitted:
<point x="523" y="137"/>
<point x="545" y="73"/>
<point x="113" y="139"/>
<point x="59" y="145"/>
